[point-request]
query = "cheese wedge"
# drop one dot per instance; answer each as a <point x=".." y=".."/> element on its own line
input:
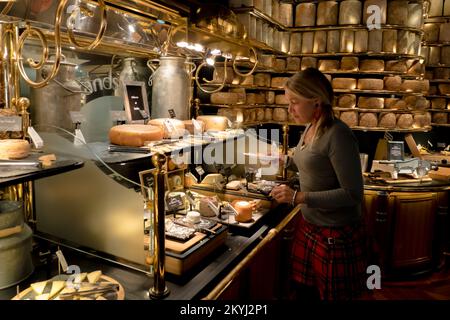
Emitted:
<point x="45" y="296"/>
<point x="94" y="276"/>
<point x="39" y="287"/>
<point x="80" y="277"/>
<point x="57" y="286"/>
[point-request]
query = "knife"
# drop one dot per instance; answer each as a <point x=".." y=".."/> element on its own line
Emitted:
<point x="20" y="163"/>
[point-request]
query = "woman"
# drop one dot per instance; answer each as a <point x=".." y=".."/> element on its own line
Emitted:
<point x="330" y="243"/>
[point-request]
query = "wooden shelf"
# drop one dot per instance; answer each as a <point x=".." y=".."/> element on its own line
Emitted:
<point x="441" y="125"/>
<point x="379" y="129"/>
<point x="382" y="110"/>
<point x="439" y="80"/>
<point x="244" y="106"/>
<point x="387" y="55"/>
<point x="438" y="96"/>
<point x="379" y="92"/>
<point x="435" y="44"/>
<point x="439" y="110"/>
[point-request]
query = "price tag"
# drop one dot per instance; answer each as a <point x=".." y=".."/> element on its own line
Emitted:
<point x="37" y="140"/>
<point x="172" y="113"/>
<point x="197" y="125"/>
<point x="77" y="117"/>
<point x="174" y="202"/>
<point x="62" y="260"/>
<point x="118" y="116"/>
<point x="78" y="140"/>
<point x="200" y="170"/>
<point x="13" y="123"/>
<point x="169" y="126"/>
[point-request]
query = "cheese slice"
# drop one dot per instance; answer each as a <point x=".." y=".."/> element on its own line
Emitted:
<point x="45" y="296"/>
<point x="94" y="276"/>
<point x="39" y="287"/>
<point x="57" y="286"/>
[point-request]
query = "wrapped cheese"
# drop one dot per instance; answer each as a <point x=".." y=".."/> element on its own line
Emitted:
<point x="281" y="99"/>
<point x="390" y="41"/>
<point x="279" y="114"/>
<point x="371" y="65"/>
<point x="370" y="84"/>
<point x="381" y="4"/>
<point x="346" y="101"/>
<point x="392" y="83"/>
<point x="397" y="12"/>
<point x="350" y="63"/>
<point x="305" y="15"/>
<point x="333" y="41"/>
<point x="307" y="42"/>
<point x="375" y="40"/>
<point x="344" y="83"/>
<point x="361" y="41"/>
<point x="293" y="64"/>
<point x="327" y="13"/>
<point x="320" y="42"/>
<point x="405" y="121"/>
<point x="134" y="135"/>
<point x="295" y="44"/>
<point x="387" y="120"/>
<point x="350" y="118"/>
<point x="328" y="65"/>
<point x="440" y="118"/>
<point x="309" y="62"/>
<point x="350" y="12"/>
<point x="370" y="103"/>
<point x="369" y="120"/>
<point x="347" y="40"/>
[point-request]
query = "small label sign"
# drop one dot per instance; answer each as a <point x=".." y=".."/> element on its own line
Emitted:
<point x="77" y="117"/>
<point x="13" y="123"/>
<point x="36" y="138"/>
<point x="200" y="170"/>
<point x="118" y="116"/>
<point x="172" y="113"/>
<point x="169" y="126"/>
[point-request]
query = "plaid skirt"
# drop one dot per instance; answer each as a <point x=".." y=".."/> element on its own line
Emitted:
<point x="334" y="260"/>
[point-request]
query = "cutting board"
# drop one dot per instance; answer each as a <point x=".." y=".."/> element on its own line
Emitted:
<point x="443" y="174"/>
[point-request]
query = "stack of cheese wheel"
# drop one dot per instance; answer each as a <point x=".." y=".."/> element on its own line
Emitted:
<point x="14" y="149"/>
<point x="135" y="135"/>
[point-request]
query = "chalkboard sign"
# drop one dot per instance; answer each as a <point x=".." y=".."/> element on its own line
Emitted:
<point x="135" y="101"/>
<point x="396" y="150"/>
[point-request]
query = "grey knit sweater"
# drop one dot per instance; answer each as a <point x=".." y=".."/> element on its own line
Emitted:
<point x="330" y="176"/>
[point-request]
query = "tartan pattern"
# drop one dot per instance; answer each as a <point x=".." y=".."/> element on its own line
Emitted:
<point x="337" y="270"/>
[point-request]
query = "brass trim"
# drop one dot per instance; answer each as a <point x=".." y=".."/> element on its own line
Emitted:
<point x="7" y="8"/>
<point x="252" y="70"/>
<point x="208" y="81"/>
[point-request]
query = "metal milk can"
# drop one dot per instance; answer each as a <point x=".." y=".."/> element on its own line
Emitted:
<point x="171" y="88"/>
<point x="133" y="70"/>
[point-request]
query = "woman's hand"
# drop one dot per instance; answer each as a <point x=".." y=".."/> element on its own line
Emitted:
<point x="284" y="194"/>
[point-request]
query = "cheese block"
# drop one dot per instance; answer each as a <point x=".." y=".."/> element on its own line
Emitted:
<point x="333" y="41"/>
<point x="327" y="13"/>
<point x="320" y="42"/>
<point x="224" y="98"/>
<point x="308" y="62"/>
<point x="262" y="80"/>
<point x="328" y="65"/>
<point x="172" y="128"/>
<point x="293" y="64"/>
<point x="135" y="135"/>
<point x="447" y="8"/>
<point x="381" y="4"/>
<point x="347" y="40"/>
<point x="393" y="83"/>
<point x="268" y="114"/>
<point x="434" y="55"/>
<point x="421" y="120"/>
<point x="390" y="103"/>
<point x="442" y="73"/>
<point x="371" y="65"/>
<point x="369" y="120"/>
<point x="445" y="55"/>
<point x="343" y="83"/>
<point x="438" y="103"/>
<point x="189" y="126"/>
<point x="350" y="118"/>
<point x="370" y="103"/>
<point x="361" y="41"/>
<point x="435" y="8"/>
<point x="260" y="114"/>
<point x="346" y="101"/>
<point x="405" y="121"/>
<point x="94" y="276"/>
<point x="431" y="32"/>
<point x="397" y="12"/>
<point x="350" y="63"/>
<point x="278" y="82"/>
<point x="214" y="122"/>
<point x="38" y="287"/>
<point x="444" y="88"/>
<point x="280" y="65"/>
<point x="390" y="41"/>
<point x="57" y="286"/>
<point x="279" y="114"/>
<point x="307" y="42"/>
<point x="440" y="118"/>
<point x="396" y="65"/>
<point x="350" y="12"/>
<point x="285" y="15"/>
<point x="295" y="43"/>
<point x="415" y="15"/>
<point x="375" y="43"/>
<point x="387" y="120"/>
<point x="14" y="149"/>
<point x="370" y="84"/>
<point x="270" y="97"/>
<point x="305" y="15"/>
<point x="281" y="99"/>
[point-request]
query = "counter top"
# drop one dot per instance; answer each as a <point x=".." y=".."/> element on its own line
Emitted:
<point x="424" y="186"/>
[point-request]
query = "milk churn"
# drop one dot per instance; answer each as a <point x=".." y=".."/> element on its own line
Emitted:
<point x="133" y="70"/>
<point x="170" y="87"/>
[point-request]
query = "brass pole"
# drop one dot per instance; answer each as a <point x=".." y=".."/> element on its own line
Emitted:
<point x="285" y="149"/>
<point x="226" y="282"/>
<point x="159" y="289"/>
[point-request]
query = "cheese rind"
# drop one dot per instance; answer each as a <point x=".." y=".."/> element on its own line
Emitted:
<point x="14" y="149"/>
<point x="387" y="120"/>
<point x="368" y="120"/>
<point x="350" y="118"/>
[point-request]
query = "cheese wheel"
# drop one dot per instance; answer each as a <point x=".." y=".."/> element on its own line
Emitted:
<point x="193" y="217"/>
<point x="392" y="83"/>
<point x="346" y="101"/>
<point x="260" y="114"/>
<point x="405" y="121"/>
<point x="307" y="42"/>
<point x="14" y="149"/>
<point x="295" y="43"/>
<point x="350" y="63"/>
<point x="421" y="120"/>
<point x="435" y="8"/>
<point x="305" y="15"/>
<point x="350" y="118"/>
<point x="375" y="43"/>
<point x="320" y="42"/>
<point x="415" y="85"/>
<point x="431" y="32"/>
<point x="256" y="98"/>
<point x="241" y="96"/>
<point x="216" y="123"/>
<point x="293" y="64"/>
<point x="350" y="12"/>
<point x="444" y="88"/>
<point x="344" y="83"/>
<point x="279" y="114"/>
<point x="396" y="65"/>
<point x="433" y="90"/>
<point x="369" y="120"/>
<point x="367" y="14"/>
<point x="328" y="65"/>
<point x="370" y="84"/>
<point x="268" y="60"/>
<point x="387" y="120"/>
<point x="397" y="12"/>
<point x="447" y="8"/>
<point x="416" y="103"/>
<point x="285" y="15"/>
<point x="233" y="114"/>
<point x="135" y="135"/>
<point x="371" y="65"/>
<point x="445" y="55"/>
<point x="281" y="99"/>
<point x="189" y="126"/>
<point x="219" y="73"/>
<point x="415" y="15"/>
<point x="275" y="10"/>
<point x="361" y="41"/>
<point x="270" y="97"/>
<point x="400" y="105"/>
<point x="247" y="81"/>
<point x="244" y="210"/>
<point x="262" y="80"/>
<point x="333" y="41"/>
<point x="175" y="130"/>
<point x="440" y="118"/>
<point x="390" y="103"/>
<point x="441" y="73"/>
<point x="327" y="13"/>
<point x="224" y="98"/>
<point x="390" y="41"/>
<point x="278" y="82"/>
<point x="370" y="103"/>
<point x="438" y="103"/>
<point x="268" y="114"/>
<point x="347" y="40"/>
<point x="308" y="62"/>
<point x="403" y="41"/>
<point x="280" y="65"/>
<point x="434" y="55"/>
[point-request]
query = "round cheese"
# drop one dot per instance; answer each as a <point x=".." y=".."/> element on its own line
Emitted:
<point x="347" y="40"/>
<point x="309" y="62"/>
<point x="193" y="217"/>
<point x="224" y="98"/>
<point x="293" y="64"/>
<point x="270" y="97"/>
<point x="214" y="122"/>
<point x="172" y="128"/>
<point x="14" y="149"/>
<point x="259" y="114"/>
<point x="390" y="41"/>
<point x="361" y="41"/>
<point x="280" y="65"/>
<point x="370" y="84"/>
<point x="431" y="32"/>
<point x="279" y="114"/>
<point x="350" y="63"/>
<point x="346" y="101"/>
<point x="392" y="83"/>
<point x="295" y="43"/>
<point x="344" y="83"/>
<point x="285" y="14"/>
<point x="268" y="114"/>
<point x="390" y="103"/>
<point x="405" y="121"/>
<point x="375" y="43"/>
<point x="350" y="118"/>
<point x="305" y="15"/>
<point x="135" y="135"/>
<point x="328" y="65"/>
<point x="333" y="41"/>
<point x="350" y="12"/>
<point x="262" y="80"/>
<point x="371" y="65"/>
<point x="307" y="42"/>
<point x="440" y="118"/>
<point x="421" y="120"/>
<point x="327" y="13"/>
<point x="320" y="42"/>
<point x="281" y="99"/>
<point x="278" y="82"/>
<point x="438" y="103"/>
<point x="397" y="12"/>
<point x="442" y="73"/>
<point x="370" y="103"/>
<point x="244" y="210"/>
<point x="444" y="88"/>
<point x="368" y="120"/>
<point x="396" y="65"/>
<point x="387" y="120"/>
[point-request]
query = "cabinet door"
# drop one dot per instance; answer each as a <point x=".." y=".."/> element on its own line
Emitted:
<point x="414" y="222"/>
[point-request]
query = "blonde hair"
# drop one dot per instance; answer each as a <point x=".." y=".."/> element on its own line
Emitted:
<point x="311" y="83"/>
